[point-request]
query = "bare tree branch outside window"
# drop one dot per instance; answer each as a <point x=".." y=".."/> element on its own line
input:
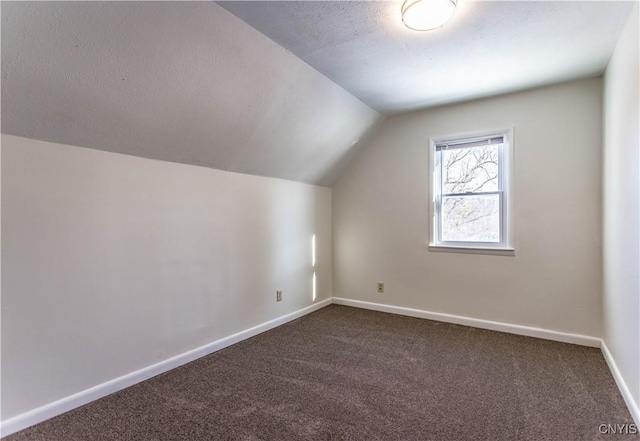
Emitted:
<point x="466" y="215"/>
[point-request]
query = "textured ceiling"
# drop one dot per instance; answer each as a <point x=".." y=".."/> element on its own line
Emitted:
<point x="489" y="47"/>
<point x="190" y="82"/>
<point x="177" y="81"/>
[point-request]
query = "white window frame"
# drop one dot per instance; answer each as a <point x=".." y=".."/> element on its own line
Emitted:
<point x="505" y="190"/>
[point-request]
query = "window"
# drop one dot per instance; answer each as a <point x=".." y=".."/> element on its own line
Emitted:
<point x="470" y="193"/>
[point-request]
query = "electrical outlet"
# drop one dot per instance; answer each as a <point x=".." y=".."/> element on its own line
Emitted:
<point x="278" y="296"/>
<point x="380" y="286"/>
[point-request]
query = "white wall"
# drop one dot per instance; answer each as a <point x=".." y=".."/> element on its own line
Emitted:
<point x="112" y="263"/>
<point x="180" y="81"/>
<point x="621" y="240"/>
<point x="380" y="223"/>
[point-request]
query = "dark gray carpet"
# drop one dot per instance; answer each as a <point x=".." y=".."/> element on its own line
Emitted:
<point x="350" y="374"/>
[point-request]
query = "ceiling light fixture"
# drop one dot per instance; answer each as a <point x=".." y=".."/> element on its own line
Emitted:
<point x="424" y="15"/>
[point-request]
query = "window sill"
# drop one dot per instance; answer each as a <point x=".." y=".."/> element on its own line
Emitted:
<point x="473" y="250"/>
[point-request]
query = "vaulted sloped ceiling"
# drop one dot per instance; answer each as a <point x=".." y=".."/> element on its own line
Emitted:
<point x="177" y="81"/>
<point x="488" y="48"/>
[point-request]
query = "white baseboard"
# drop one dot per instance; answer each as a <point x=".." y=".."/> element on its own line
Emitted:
<point x="622" y="385"/>
<point x="546" y="334"/>
<point x="66" y="404"/>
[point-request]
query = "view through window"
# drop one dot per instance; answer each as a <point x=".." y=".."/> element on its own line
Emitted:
<point x="469" y="191"/>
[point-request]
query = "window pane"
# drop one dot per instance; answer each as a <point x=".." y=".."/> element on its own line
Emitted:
<point x="471" y="218"/>
<point x="472" y="169"/>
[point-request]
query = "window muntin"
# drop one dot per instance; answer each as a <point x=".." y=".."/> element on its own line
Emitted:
<point x="469" y="192"/>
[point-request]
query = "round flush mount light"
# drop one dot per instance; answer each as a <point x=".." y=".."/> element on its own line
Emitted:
<point x="424" y="15"/>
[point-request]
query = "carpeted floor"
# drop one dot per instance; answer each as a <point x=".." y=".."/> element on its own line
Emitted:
<point x="349" y="374"/>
